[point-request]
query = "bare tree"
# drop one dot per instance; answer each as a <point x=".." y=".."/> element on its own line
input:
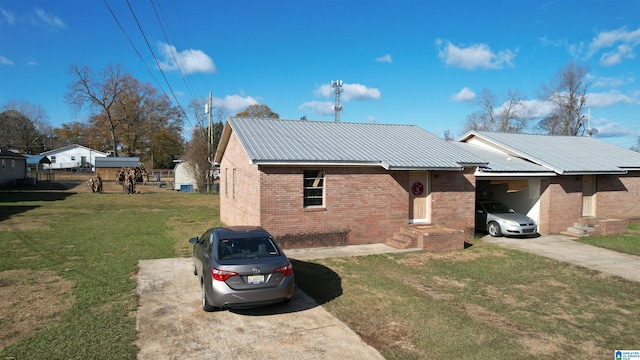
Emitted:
<point x="200" y="151"/>
<point x="567" y="91"/>
<point x="508" y="116"/>
<point x="103" y="93"/>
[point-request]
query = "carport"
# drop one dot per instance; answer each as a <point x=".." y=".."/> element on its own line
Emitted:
<point x="509" y="179"/>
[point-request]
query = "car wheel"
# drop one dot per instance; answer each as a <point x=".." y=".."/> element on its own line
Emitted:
<point x="494" y="229"/>
<point x="205" y="303"/>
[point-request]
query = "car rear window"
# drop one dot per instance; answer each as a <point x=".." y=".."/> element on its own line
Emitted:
<point x="249" y="248"/>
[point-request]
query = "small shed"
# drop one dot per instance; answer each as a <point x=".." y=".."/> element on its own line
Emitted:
<point x="107" y="167"/>
<point x="183" y="179"/>
<point x="35" y="167"/>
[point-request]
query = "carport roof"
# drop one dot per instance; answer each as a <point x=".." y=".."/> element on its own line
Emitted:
<point x="500" y="163"/>
<point x="302" y="142"/>
<point x="565" y="155"/>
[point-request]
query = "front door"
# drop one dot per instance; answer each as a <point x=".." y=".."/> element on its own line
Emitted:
<point x="418" y="197"/>
<point x="588" y="195"/>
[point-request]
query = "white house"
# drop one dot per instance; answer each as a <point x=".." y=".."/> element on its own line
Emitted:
<point x="72" y="156"/>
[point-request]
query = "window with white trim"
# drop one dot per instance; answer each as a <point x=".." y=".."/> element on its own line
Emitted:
<point x="313" y="188"/>
<point x="53" y="159"/>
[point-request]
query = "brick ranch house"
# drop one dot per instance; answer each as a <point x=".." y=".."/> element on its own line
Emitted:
<point x="315" y="183"/>
<point x="326" y="183"/>
<point x="577" y="185"/>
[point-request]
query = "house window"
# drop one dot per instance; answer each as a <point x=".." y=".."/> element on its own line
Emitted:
<point x="3" y="165"/>
<point x="73" y="158"/>
<point x="13" y="166"/>
<point x="313" y="188"/>
<point x="53" y="159"/>
<point x="226" y="182"/>
<point x="234" y="183"/>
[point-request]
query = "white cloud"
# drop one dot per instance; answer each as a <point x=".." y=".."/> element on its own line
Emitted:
<point x="615" y="57"/>
<point x="350" y="92"/>
<point x="534" y="109"/>
<point x="464" y="95"/>
<point x="318" y="107"/>
<point x="474" y="56"/>
<point x="386" y="58"/>
<point x="372" y="119"/>
<point x="608" y="129"/>
<point x="608" y="99"/>
<point x="7" y="17"/>
<point x="234" y="103"/>
<point x="621" y="41"/>
<point x="609" y="82"/>
<point x="5" y="61"/>
<point x="48" y="20"/>
<point x="188" y="61"/>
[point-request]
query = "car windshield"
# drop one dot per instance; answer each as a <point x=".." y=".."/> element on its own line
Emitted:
<point x="249" y="248"/>
<point x="497" y="208"/>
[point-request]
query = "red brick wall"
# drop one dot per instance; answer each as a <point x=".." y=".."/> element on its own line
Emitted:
<point x="453" y="196"/>
<point x="241" y="208"/>
<point x="618" y="196"/>
<point x="362" y="206"/>
<point x="560" y="203"/>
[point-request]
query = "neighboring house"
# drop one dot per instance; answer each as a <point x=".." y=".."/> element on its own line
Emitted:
<point x="333" y="183"/>
<point x="13" y="167"/>
<point x="107" y="167"/>
<point x="559" y="180"/>
<point x="183" y="179"/>
<point x="73" y="157"/>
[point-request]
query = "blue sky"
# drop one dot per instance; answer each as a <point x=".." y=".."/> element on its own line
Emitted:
<point x="404" y="62"/>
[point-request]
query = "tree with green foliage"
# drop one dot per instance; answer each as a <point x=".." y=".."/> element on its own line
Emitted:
<point x="258" y="111"/>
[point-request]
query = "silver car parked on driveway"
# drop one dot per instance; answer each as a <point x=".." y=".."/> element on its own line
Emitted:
<point x="241" y="267"/>
<point x="498" y="219"/>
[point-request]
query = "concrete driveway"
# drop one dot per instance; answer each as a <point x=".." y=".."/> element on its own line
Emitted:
<point x="171" y="324"/>
<point x="567" y="249"/>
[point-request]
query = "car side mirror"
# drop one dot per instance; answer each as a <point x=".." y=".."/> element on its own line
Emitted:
<point x="193" y="240"/>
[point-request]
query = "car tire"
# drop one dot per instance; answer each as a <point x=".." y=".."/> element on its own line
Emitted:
<point x="205" y="302"/>
<point x="494" y="229"/>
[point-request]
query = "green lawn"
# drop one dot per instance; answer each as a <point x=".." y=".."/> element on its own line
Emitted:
<point x="627" y="243"/>
<point x="92" y="242"/>
<point x="68" y="267"/>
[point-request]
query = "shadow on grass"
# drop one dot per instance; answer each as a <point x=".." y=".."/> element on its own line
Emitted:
<point x="315" y="285"/>
<point x="42" y="192"/>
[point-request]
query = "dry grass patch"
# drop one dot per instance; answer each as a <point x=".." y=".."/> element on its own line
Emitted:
<point x="29" y="302"/>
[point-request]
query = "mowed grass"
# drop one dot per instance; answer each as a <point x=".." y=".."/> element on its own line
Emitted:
<point x="627" y="243"/>
<point x="483" y="302"/>
<point x="93" y="241"/>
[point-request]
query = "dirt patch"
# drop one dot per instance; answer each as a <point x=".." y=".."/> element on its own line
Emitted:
<point x="29" y="302"/>
<point x="538" y="344"/>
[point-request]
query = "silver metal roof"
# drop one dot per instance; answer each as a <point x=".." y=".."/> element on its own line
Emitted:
<point x="116" y="162"/>
<point x="394" y="147"/>
<point x="502" y="163"/>
<point x="566" y="155"/>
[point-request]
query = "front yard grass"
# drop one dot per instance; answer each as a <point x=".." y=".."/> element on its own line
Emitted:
<point x="627" y="243"/>
<point x="483" y="302"/>
<point x="68" y="265"/>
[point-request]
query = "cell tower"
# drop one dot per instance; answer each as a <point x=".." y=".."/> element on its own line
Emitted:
<point x="337" y="89"/>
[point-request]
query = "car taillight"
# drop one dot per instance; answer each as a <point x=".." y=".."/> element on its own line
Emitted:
<point x="285" y="270"/>
<point x="221" y="275"/>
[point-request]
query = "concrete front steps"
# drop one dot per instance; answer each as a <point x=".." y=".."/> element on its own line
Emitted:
<point x="593" y="226"/>
<point x="427" y="237"/>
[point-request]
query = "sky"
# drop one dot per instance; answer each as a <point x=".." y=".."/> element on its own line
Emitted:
<point x="401" y="62"/>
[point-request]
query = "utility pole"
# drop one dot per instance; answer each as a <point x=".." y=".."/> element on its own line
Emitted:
<point x="337" y="89"/>
<point x="210" y="142"/>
